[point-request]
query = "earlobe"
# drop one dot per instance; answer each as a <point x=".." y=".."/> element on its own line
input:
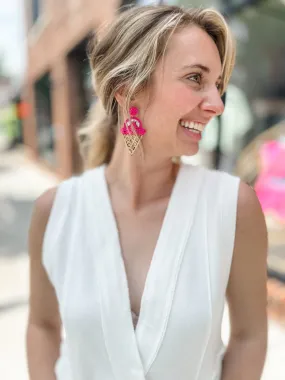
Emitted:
<point x="120" y="98"/>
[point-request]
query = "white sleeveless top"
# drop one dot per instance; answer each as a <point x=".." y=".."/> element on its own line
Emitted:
<point x="178" y="334"/>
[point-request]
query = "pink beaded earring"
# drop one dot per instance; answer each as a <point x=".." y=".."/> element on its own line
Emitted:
<point x="133" y="131"/>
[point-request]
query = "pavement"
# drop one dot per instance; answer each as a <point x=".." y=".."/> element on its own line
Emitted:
<point x="21" y="182"/>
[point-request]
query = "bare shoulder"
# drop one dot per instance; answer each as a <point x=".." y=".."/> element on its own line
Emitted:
<point x="246" y="292"/>
<point x="40" y="216"/>
<point x="43" y="206"/>
<point x="250" y="218"/>
<point x="44" y="202"/>
<point x="251" y="233"/>
<point x="43" y="310"/>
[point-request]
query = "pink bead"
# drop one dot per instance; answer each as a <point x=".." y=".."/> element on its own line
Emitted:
<point x="141" y="131"/>
<point x="133" y="111"/>
<point x="124" y="130"/>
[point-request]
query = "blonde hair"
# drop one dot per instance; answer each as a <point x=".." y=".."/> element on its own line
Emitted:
<point x="127" y="56"/>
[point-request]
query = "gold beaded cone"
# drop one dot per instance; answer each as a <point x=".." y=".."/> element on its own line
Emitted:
<point x="132" y="142"/>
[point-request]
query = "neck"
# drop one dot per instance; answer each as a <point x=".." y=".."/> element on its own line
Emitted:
<point x="139" y="179"/>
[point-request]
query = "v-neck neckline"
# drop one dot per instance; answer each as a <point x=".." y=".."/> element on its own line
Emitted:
<point x="115" y="229"/>
<point x="132" y="351"/>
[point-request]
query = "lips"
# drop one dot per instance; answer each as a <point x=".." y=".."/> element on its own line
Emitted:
<point x="193" y="126"/>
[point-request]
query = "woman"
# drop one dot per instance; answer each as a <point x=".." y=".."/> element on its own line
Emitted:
<point x="134" y="258"/>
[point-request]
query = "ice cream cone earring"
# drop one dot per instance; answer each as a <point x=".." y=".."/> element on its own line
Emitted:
<point x="133" y="131"/>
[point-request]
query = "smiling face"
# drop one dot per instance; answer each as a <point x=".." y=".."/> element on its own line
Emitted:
<point x="184" y="95"/>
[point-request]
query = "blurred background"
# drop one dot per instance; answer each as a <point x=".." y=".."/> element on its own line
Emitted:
<point x="45" y="92"/>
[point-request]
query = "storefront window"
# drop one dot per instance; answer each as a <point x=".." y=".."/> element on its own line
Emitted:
<point x="45" y="128"/>
<point x="36" y="8"/>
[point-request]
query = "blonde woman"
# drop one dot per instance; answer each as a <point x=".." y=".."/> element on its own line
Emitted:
<point x="135" y="258"/>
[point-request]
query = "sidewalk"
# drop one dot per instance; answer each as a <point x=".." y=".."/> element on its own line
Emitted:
<point x="20" y="183"/>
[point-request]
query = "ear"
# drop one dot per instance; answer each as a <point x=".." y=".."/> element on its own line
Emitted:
<point x="121" y="95"/>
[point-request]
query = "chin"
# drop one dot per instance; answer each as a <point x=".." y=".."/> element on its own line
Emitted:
<point x="190" y="151"/>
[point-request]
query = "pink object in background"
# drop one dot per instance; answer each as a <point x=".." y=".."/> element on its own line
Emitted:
<point x="270" y="184"/>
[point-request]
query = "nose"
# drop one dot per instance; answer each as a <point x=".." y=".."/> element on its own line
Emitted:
<point x="213" y="103"/>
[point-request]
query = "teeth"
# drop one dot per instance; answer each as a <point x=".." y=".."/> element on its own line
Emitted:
<point x="193" y="126"/>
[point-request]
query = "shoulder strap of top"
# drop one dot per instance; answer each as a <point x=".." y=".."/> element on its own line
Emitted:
<point x="219" y="212"/>
<point x="66" y="220"/>
<point x="228" y="200"/>
<point x="228" y="191"/>
<point x="57" y="222"/>
<point x="220" y="206"/>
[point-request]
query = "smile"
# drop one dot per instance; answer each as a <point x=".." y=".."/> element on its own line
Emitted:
<point x="193" y="126"/>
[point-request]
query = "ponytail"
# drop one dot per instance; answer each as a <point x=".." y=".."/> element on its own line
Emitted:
<point x="97" y="137"/>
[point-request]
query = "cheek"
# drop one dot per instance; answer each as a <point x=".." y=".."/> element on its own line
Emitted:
<point x="185" y="99"/>
<point x="169" y="105"/>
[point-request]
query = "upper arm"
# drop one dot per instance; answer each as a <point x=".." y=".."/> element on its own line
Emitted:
<point x="247" y="292"/>
<point x="43" y="302"/>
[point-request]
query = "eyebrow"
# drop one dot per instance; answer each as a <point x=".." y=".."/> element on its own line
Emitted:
<point x="201" y="67"/>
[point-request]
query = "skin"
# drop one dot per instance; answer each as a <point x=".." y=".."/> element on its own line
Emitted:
<point x="44" y="325"/>
<point x="140" y="189"/>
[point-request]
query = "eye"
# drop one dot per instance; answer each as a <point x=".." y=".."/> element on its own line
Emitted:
<point x="197" y="78"/>
<point x="219" y="86"/>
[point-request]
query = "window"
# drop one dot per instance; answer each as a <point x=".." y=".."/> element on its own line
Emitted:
<point x="36" y="9"/>
<point x="45" y="128"/>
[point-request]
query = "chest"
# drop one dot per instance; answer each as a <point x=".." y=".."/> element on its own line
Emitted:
<point x="138" y="234"/>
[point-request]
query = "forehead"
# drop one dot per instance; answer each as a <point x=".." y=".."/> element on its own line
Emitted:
<point x="192" y="45"/>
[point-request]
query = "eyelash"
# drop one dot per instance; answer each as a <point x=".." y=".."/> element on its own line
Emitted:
<point x="200" y="76"/>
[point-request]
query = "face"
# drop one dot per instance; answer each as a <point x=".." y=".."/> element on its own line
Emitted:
<point x="184" y="95"/>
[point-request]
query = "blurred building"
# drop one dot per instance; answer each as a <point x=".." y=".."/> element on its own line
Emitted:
<point x="6" y="89"/>
<point x="58" y="83"/>
<point x="10" y="123"/>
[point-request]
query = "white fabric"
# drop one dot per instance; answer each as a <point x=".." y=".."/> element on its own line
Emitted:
<point x="178" y="334"/>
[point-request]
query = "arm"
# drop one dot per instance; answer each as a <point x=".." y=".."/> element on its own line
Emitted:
<point x="246" y="293"/>
<point x="44" y="326"/>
